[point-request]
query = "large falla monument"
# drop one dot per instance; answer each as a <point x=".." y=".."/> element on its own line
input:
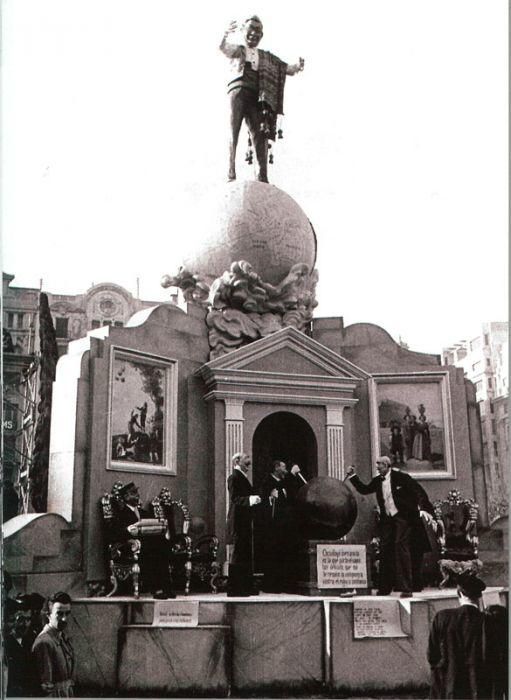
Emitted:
<point x="242" y="364"/>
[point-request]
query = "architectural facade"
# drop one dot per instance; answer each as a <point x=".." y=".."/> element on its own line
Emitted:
<point x="484" y="360"/>
<point x="73" y="315"/>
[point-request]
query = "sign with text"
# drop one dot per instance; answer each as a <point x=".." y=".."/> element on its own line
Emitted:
<point x="176" y="613"/>
<point x="341" y="566"/>
<point x="376" y="618"/>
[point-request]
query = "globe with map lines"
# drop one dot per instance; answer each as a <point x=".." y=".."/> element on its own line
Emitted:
<point x="259" y="223"/>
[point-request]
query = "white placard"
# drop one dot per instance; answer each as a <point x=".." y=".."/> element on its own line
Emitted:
<point x="341" y="565"/>
<point x="491" y="598"/>
<point x="376" y="618"/>
<point x="176" y="613"/>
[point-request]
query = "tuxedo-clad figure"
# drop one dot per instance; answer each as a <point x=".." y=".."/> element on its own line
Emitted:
<point x="456" y="649"/>
<point x="280" y="527"/>
<point x="240" y="534"/>
<point x="155" y="552"/>
<point x="402" y="502"/>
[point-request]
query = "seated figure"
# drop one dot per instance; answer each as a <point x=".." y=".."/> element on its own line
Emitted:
<point x="137" y="543"/>
<point x="193" y="553"/>
<point x="456" y="519"/>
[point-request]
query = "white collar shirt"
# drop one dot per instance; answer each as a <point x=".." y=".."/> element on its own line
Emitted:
<point x="135" y="510"/>
<point x="390" y="506"/>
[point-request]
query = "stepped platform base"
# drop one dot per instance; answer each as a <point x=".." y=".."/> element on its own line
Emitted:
<point x="266" y="645"/>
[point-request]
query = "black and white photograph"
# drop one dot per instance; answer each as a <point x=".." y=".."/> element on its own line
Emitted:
<point x="255" y="365"/>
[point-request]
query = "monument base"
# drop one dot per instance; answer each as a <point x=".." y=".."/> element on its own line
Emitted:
<point x="307" y="582"/>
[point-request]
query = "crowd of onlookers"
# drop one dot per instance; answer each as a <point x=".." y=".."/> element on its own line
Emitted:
<point x="38" y="658"/>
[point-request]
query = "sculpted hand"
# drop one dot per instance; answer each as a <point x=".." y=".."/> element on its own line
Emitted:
<point x="274" y="493"/>
<point x="232" y="27"/>
<point x="426" y="516"/>
<point x="295" y="469"/>
<point x="254" y="500"/>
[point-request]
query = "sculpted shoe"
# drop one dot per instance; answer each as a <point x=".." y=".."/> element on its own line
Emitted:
<point x="163" y="595"/>
<point x="406" y="594"/>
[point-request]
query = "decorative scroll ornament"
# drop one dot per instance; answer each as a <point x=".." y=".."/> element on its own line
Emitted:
<point x="242" y="307"/>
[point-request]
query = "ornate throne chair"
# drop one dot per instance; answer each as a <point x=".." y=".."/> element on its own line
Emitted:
<point x="124" y="553"/>
<point x="456" y="519"/>
<point x="193" y="554"/>
<point x="122" y="556"/>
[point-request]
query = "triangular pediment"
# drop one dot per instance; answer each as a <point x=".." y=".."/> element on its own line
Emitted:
<point x="287" y="351"/>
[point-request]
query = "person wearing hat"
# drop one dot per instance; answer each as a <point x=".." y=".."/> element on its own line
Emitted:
<point x="16" y="647"/>
<point x="403" y="505"/>
<point x="155" y="552"/>
<point x="455" y="647"/>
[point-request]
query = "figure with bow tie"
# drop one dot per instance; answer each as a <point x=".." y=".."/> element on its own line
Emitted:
<point x="404" y="507"/>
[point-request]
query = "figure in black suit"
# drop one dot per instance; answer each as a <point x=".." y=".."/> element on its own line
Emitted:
<point x="455" y="648"/>
<point x="240" y="527"/>
<point x="280" y="527"/>
<point x="155" y="552"/>
<point x="403" y="503"/>
<point x="16" y="649"/>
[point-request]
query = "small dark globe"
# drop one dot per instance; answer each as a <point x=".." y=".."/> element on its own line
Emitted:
<point x="327" y="509"/>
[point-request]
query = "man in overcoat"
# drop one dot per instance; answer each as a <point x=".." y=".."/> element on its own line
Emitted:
<point x="281" y="540"/>
<point x="403" y="505"/>
<point x="240" y="527"/>
<point x="455" y="647"/>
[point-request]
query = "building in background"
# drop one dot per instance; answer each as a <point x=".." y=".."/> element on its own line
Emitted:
<point x="484" y="360"/>
<point x="73" y="316"/>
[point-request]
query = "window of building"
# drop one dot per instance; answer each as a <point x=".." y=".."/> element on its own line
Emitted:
<point x="492" y="409"/>
<point x="486" y="339"/>
<point x="96" y="323"/>
<point x="493" y="425"/>
<point x="10" y="320"/>
<point x="479" y="387"/>
<point x="61" y="325"/>
<point x="490" y="383"/>
<point x="119" y="324"/>
<point x="495" y="448"/>
<point x="488" y="362"/>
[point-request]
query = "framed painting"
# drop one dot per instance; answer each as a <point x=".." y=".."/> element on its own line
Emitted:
<point x="411" y="422"/>
<point x="142" y="412"/>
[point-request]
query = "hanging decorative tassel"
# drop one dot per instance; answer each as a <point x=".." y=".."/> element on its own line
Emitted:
<point x="249" y="155"/>
<point x="270" y="159"/>
<point x="280" y="134"/>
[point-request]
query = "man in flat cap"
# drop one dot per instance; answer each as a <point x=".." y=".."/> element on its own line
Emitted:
<point x="455" y="648"/>
<point x="403" y="505"/>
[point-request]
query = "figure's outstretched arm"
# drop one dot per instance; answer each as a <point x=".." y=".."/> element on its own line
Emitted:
<point x="293" y="68"/>
<point x="230" y="50"/>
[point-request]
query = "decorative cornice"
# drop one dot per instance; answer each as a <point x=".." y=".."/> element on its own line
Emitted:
<point x="303" y="399"/>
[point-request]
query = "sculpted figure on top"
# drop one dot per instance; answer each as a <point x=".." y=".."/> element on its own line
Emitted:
<point x="256" y="93"/>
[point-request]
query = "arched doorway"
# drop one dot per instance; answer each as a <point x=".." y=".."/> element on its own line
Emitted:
<point x="286" y="436"/>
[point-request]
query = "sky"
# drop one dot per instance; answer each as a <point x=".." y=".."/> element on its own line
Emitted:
<point x="115" y="144"/>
